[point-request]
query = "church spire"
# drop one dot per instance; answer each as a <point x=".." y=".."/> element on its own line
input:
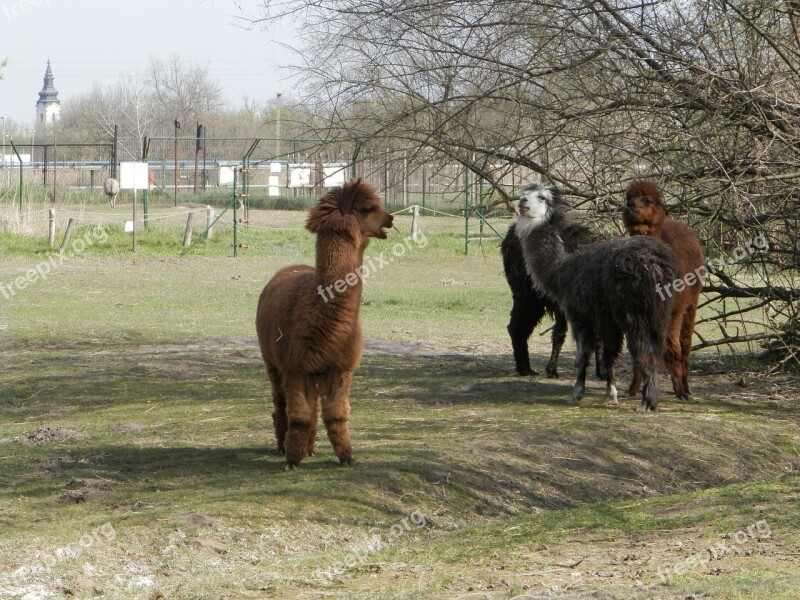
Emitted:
<point x="48" y="108"/>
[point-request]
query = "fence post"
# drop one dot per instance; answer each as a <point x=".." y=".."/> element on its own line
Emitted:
<point x="187" y="233"/>
<point x="415" y="222"/>
<point x="51" y="227"/>
<point x="209" y="222"/>
<point x="67" y="234"/>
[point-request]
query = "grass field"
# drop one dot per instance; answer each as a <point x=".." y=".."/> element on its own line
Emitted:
<point x="137" y="458"/>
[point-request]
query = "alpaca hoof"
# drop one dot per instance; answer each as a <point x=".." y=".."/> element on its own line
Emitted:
<point x="574" y="401"/>
<point x="552" y="374"/>
<point x="645" y="408"/>
<point x="682" y="394"/>
<point x="527" y="372"/>
<point x="611" y="396"/>
<point x="346" y="462"/>
<point x="311" y="453"/>
<point x="289" y="467"/>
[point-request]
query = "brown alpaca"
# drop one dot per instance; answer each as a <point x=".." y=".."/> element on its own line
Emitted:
<point x="308" y="325"/>
<point x="645" y="214"/>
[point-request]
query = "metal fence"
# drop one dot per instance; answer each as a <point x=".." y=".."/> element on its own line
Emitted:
<point x="187" y="169"/>
<point x="53" y="165"/>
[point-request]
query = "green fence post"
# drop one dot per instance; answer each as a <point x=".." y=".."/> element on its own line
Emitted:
<point x="235" y="215"/>
<point x="146" y="191"/>
<point x="19" y="159"/>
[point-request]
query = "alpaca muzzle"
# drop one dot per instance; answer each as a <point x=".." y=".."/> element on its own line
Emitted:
<point x="388" y="224"/>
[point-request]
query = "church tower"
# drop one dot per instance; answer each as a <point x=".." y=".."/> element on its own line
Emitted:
<point x="48" y="108"/>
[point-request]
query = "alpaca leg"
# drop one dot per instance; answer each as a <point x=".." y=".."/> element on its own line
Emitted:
<point x="557" y="340"/>
<point x="600" y="369"/>
<point x="636" y="381"/>
<point x="336" y="414"/>
<point x="558" y="337"/>
<point x="672" y="355"/>
<point x="300" y="413"/>
<point x="584" y="340"/>
<point x="313" y="390"/>
<point x="526" y="312"/>
<point x="279" y="420"/>
<point x="687" y="331"/>
<point x="650" y="394"/>
<point x="645" y="360"/>
<point x="612" y="344"/>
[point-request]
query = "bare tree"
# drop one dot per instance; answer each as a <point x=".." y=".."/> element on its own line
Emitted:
<point x="127" y="104"/>
<point x="701" y="96"/>
<point x="183" y="91"/>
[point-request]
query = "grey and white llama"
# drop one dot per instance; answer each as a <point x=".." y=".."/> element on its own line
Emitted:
<point x="607" y="290"/>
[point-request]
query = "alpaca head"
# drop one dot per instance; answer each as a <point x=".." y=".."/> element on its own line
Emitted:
<point x="539" y="204"/>
<point x="354" y="210"/>
<point x="644" y="210"/>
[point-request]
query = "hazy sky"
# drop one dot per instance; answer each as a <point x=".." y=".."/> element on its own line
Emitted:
<point x="91" y="41"/>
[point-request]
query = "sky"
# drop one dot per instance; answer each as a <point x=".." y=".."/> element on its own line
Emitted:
<point x="94" y="41"/>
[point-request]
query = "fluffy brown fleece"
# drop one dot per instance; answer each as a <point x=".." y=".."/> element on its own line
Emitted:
<point x="645" y="214"/>
<point x="308" y="324"/>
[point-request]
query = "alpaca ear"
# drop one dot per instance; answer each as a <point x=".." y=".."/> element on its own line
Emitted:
<point x="348" y="197"/>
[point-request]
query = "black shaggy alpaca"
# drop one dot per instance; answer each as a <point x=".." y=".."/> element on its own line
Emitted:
<point x="607" y="290"/>
<point x="530" y="305"/>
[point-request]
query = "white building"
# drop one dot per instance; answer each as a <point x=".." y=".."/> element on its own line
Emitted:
<point x="48" y="108"/>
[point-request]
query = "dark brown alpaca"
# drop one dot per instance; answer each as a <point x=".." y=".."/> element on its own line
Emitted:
<point x="308" y="324"/>
<point x="645" y="214"/>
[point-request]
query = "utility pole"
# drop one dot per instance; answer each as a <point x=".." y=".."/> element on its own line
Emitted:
<point x="177" y="128"/>
<point x="278" y="126"/>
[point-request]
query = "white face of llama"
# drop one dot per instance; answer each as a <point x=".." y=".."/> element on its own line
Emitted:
<point x="533" y="207"/>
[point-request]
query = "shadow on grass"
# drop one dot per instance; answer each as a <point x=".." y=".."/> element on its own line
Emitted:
<point x="452" y="434"/>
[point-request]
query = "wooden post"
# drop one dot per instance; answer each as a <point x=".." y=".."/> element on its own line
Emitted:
<point x="135" y="202"/>
<point x="51" y="229"/>
<point x="414" y="222"/>
<point x="67" y="234"/>
<point x="209" y="222"/>
<point x="187" y="233"/>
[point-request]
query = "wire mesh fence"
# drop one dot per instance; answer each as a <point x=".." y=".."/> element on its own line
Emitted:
<point x="283" y="173"/>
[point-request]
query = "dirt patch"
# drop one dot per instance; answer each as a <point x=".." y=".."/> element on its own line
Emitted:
<point x="84" y="490"/>
<point x="201" y="520"/>
<point x="248" y="347"/>
<point x="207" y="546"/>
<point x="47" y="434"/>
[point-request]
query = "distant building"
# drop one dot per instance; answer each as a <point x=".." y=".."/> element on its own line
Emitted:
<point x="48" y="108"/>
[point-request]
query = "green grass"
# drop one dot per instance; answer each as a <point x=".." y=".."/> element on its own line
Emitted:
<point x="132" y="396"/>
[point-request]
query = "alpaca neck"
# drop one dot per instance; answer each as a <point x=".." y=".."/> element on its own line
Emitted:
<point x="544" y="254"/>
<point x="338" y="262"/>
<point x="649" y="226"/>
